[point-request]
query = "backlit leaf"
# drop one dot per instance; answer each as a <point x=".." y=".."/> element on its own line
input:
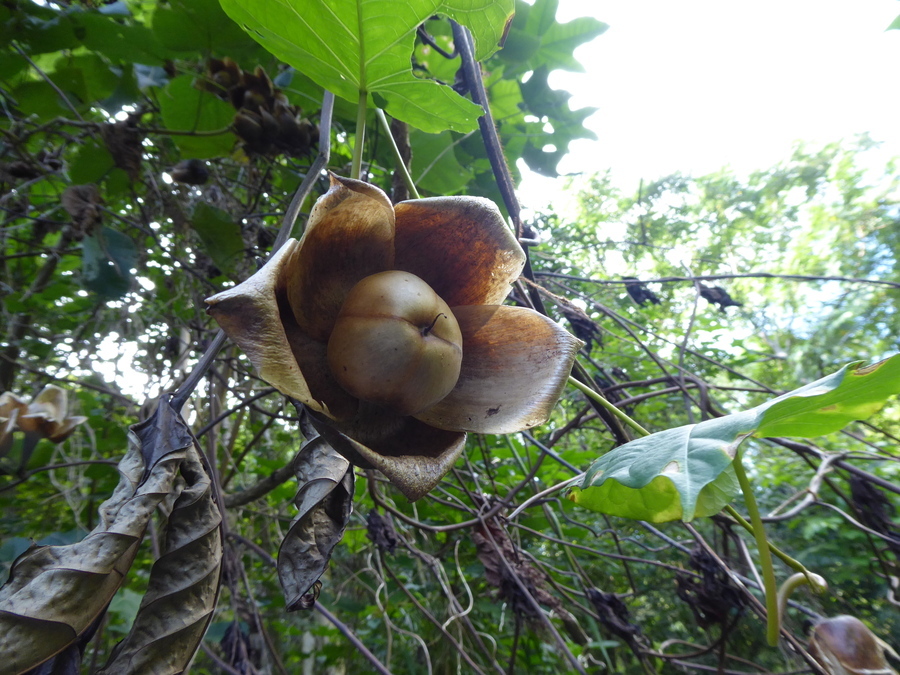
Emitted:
<point x="354" y="46"/>
<point x="221" y="236"/>
<point x="680" y="473"/>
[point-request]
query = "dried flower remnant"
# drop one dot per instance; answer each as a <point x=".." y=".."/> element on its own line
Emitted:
<point x="11" y="406"/>
<point x="387" y="323"/>
<point x="45" y="417"/>
<point x="48" y="416"/>
<point x="844" y="645"/>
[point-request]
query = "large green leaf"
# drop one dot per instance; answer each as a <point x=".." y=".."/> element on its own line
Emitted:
<point x="678" y="473"/>
<point x="434" y="164"/>
<point x="118" y="41"/>
<point x="188" y="109"/>
<point x="354" y="46"/>
<point x="198" y="25"/>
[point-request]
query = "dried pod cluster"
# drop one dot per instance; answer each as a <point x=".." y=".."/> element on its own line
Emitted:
<point x="125" y="143"/>
<point x="265" y="121"/>
<point x="30" y="168"/>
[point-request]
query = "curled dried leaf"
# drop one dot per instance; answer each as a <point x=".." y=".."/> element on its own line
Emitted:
<point x="125" y="143"/>
<point x="184" y="582"/>
<point x="55" y="593"/>
<point x="82" y="203"/>
<point x="324" y="503"/>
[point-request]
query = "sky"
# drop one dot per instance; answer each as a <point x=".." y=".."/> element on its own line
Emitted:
<point x="698" y="85"/>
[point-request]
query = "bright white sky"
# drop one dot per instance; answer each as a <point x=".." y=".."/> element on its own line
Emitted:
<point x="696" y="85"/>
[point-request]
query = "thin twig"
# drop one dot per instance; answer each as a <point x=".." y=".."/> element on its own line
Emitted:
<point x="717" y="277"/>
<point x="355" y="641"/>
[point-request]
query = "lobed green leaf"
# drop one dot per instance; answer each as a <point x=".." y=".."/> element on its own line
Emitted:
<point x="354" y="47"/>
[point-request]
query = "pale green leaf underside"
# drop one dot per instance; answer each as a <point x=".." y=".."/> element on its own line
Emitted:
<point x="353" y="46"/>
<point x="679" y="473"/>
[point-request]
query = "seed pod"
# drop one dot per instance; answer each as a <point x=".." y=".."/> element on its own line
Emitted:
<point x="396" y="343"/>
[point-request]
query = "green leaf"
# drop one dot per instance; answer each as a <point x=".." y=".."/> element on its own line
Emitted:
<point x="221" y="236"/>
<point x="87" y="75"/>
<point x="118" y="41"/>
<point x="186" y="108"/>
<point x="434" y="164"/>
<point x="895" y="24"/>
<point x="678" y="473"/>
<point x="568" y="124"/>
<point x="853" y="393"/>
<point x="107" y="259"/>
<point x="124" y="607"/>
<point x="664" y="473"/>
<point x="559" y="42"/>
<point x="198" y="26"/>
<point x="39" y="98"/>
<point x="364" y="46"/>
<point x="45" y="30"/>
<point x="91" y="164"/>
<point x="536" y="39"/>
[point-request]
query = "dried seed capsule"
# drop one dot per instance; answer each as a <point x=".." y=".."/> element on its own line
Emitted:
<point x="396" y="343"/>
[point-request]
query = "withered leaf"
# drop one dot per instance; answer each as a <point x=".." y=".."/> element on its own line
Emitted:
<point x="82" y="202"/>
<point x="124" y="142"/>
<point x="718" y="296"/>
<point x="184" y="581"/>
<point x="380" y="529"/>
<point x="68" y="661"/>
<point x="494" y="545"/>
<point x="162" y="433"/>
<point x="324" y="503"/>
<point x="55" y="593"/>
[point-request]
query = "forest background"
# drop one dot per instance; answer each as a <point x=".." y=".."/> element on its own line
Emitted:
<point x="134" y="183"/>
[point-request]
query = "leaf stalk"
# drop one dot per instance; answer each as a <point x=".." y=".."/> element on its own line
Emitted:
<point x="597" y="398"/>
<point x="356" y="167"/>
<point x="773" y="622"/>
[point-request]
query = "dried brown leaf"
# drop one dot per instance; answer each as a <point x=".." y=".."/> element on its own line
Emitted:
<point x="324" y="502"/>
<point x="82" y="202"/>
<point x="54" y="593"/>
<point x="184" y="581"/>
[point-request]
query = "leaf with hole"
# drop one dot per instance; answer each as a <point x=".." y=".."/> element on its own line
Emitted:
<point x="365" y="46"/>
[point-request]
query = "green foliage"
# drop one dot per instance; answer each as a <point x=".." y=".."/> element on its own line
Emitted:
<point x="682" y="473"/>
<point x="109" y="304"/>
<point x="358" y="48"/>
<point x="220" y="236"/>
<point x="107" y="258"/>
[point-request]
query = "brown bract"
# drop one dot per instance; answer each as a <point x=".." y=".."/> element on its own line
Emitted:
<point x="514" y="361"/>
<point x="46" y="416"/>
<point x="844" y="645"/>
